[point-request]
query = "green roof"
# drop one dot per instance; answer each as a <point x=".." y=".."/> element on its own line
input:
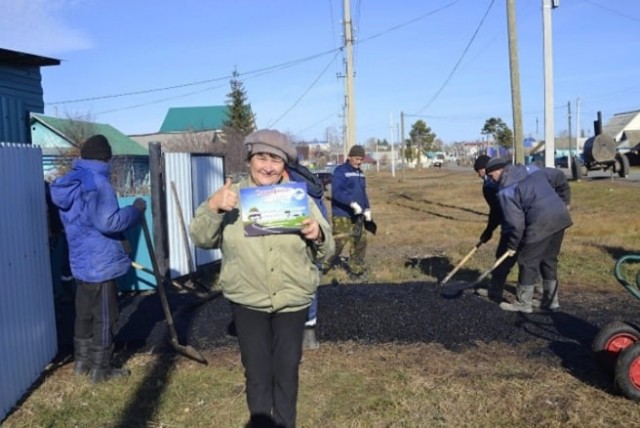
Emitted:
<point x="121" y="145"/>
<point x="183" y="119"/>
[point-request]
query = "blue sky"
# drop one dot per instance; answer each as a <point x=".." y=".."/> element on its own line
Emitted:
<point x="432" y="60"/>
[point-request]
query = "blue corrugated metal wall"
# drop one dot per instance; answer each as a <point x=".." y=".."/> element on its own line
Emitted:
<point x="27" y="318"/>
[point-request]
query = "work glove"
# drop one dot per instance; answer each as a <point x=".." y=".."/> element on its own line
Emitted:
<point x="357" y="209"/>
<point x="511" y="252"/>
<point x="486" y="236"/>
<point x="140" y="204"/>
<point x="367" y="214"/>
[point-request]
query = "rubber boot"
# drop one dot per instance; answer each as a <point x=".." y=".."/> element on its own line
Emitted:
<point x="494" y="292"/>
<point x="309" y="340"/>
<point x="524" y="296"/>
<point x="550" y="296"/>
<point x="82" y="356"/>
<point x="102" y="369"/>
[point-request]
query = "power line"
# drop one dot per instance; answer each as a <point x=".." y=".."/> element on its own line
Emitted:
<point x="260" y="71"/>
<point x="305" y="92"/>
<point x="455" y="67"/>
<point x="593" y="3"/>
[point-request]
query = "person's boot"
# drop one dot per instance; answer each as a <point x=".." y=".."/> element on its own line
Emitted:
<point x="523" y="303"/>
<point x="309" y="340"/>
<point x="550" y="296"/>
<point x="102" y="369"/>
<point x="82" y="356"/>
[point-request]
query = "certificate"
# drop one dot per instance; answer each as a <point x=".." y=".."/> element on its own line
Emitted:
<point x="268" y="210"/>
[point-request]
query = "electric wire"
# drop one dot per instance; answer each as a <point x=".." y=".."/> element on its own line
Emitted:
<point x="304" y="93"/>
<point x="455" y="67"/>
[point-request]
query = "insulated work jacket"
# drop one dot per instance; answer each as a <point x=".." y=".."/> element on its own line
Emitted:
<point x="348" y="185"/>
<point x="93" y="221"/>
<point x="531" y="207"/>
<point x="269" y="273"/>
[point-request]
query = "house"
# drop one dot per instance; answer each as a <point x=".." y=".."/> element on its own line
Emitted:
<point x="20" y="93"/>
<point x="195" y="128"/>
<point x="60" y="141"/>
<point x="621" y="123"/>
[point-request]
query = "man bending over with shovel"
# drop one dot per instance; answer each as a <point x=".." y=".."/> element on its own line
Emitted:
<point x="535" y="218"/>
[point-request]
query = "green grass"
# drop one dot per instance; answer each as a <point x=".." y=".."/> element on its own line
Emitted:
<point x="428" y="221"/>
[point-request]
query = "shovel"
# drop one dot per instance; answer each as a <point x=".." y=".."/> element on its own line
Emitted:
<point x="457" y="287"/>
<point x="462" y="262"/>
<point x="187" y="351"/>
<point x="185" y="239"/>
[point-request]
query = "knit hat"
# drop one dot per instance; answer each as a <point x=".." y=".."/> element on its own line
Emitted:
<point x="481" y="162"/>
<point x="272" y="142"/>
<point x="356" y="151"/>
<point x="495" y="164"/>
<point x="96" y="147"/>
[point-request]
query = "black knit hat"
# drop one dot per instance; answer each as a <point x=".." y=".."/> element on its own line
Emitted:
<point x="96" y="147"/>
<point x="495" y="164"/>
<point x="481" y="162"/>
<point x="356" y="151"/>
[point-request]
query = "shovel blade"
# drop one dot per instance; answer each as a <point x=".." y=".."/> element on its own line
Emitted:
<point x="455" y="288"/>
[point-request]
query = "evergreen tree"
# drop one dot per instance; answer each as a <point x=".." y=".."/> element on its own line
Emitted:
<point x="240" y="118"/>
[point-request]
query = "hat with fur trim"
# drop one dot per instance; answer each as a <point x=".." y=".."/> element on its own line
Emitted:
<point x="272" y="142"/>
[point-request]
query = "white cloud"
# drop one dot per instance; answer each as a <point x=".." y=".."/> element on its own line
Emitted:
<point x="38" y="27"/>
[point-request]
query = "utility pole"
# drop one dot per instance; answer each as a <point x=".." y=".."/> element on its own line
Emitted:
<point x="569" y="157"/>
<point x="549" y="142"/>
<point x="402" y="142"/>
<point x="350" y="108"/>
<point x="393" y="161"/>
<point x="577" y="127"/>
<point x="516" y="103"/>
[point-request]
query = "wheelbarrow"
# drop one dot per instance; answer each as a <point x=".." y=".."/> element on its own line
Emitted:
<point x="616" y="347"/>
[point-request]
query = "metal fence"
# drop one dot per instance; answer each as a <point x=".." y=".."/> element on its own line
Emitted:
<point x="27" y="316"/>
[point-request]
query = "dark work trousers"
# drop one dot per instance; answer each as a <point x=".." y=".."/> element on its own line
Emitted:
<point x="540" y="259"/>
<point x="500" y="273"/>
<point x="270" y="347"/>
<point x="96" y="312"/>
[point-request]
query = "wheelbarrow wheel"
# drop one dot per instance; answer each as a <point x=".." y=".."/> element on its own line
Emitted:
<point x="612" y="339"/>
<point x="627" y="378"/>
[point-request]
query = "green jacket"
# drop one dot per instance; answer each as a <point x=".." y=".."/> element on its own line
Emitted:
<point x="271" y="273"/>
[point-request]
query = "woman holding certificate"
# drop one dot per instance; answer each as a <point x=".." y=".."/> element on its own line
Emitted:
<point x="270" y="248"/>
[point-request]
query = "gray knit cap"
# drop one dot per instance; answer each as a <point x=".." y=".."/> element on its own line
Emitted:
<point x="272" y="142"/>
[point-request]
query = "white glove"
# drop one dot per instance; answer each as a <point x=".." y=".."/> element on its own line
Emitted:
<point x="367" y="214"/>
<point x="511" y="253"/>
<point x="357" y="209"/>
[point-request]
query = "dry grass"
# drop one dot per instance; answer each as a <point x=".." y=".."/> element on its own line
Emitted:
<point x="424" y="217"/>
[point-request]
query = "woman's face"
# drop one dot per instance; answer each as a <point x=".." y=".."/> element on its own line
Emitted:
<point x="266" y="169"/>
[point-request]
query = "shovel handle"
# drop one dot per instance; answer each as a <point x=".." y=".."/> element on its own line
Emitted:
<point x="464" y="260"/>
<point x="498" y="262"/>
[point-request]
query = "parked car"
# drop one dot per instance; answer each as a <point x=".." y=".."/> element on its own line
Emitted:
<point x="438" y="161"/>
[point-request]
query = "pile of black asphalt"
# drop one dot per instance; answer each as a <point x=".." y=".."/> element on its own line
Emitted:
<point x="417" y="312"/>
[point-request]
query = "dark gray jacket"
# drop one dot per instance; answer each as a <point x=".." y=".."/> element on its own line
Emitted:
<point x="532" y="204"/>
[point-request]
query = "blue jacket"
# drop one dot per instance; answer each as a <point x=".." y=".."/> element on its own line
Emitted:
<point x="93" y="221"/>
<point x="532" y="208"/>
<point x="348" y="185"/>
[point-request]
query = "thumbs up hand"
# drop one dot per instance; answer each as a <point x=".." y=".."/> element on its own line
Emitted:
<point x="224" y="199"/>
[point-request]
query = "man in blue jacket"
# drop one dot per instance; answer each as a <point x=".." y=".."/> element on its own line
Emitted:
<point x="349" y="210"/>
<point x="535" y="212"/>
<point x="94" y="226"/>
